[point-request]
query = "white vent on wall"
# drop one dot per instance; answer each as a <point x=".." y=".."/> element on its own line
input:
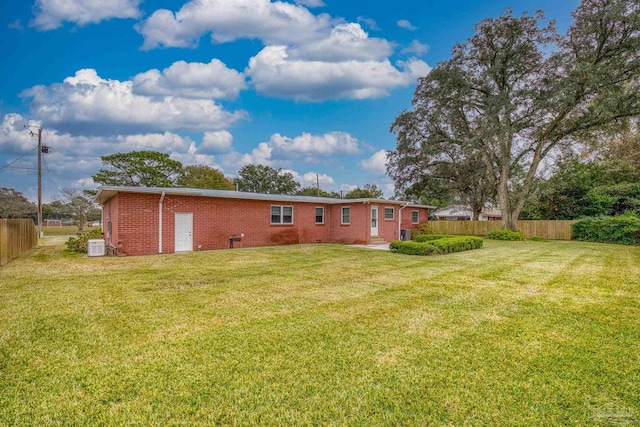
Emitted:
<point x="96" y="247"/>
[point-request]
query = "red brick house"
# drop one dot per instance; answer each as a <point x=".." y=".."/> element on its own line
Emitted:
<point x="143" y="220"/>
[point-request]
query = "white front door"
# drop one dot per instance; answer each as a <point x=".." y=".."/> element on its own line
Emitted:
<point x="374" y="221"/>
<point x="184" y="232"/>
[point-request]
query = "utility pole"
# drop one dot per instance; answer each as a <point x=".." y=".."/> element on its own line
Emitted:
<point x="41" y="149"/>
<point x="40" y="182"/>
<point x="318" y="184"/>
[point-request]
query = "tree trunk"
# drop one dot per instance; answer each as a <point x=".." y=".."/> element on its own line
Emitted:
<point x="510" y="208"/>
<point x="476" y="212"/>
<point x="508" y="220"/>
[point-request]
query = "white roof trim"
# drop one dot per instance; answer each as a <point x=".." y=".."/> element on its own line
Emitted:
<point x="106" y="192"/>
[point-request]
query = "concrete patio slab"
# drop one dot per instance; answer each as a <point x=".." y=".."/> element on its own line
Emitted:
<point x="383" y="247"/>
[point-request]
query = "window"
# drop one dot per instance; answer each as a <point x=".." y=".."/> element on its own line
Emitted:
<point x="319" y="215"/>
<point x="415" y="217"/>
<point x="346" y="215"/>
<point x="281" y="214"/>
<point x="388" y="213"/>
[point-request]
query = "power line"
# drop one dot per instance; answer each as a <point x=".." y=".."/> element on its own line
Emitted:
<point x="24" y="168"/>
<point x="15" y="160"/>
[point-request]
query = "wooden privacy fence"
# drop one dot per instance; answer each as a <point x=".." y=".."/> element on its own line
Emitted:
<point x="16" y="236"/>
<point x="554" y="230"/>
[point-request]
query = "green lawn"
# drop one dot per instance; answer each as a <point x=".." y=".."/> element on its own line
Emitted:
<point x="66" y="230"/>
<point x="516" y="333"/>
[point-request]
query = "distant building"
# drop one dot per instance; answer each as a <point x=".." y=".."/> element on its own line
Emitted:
<point x="464" y="213"/>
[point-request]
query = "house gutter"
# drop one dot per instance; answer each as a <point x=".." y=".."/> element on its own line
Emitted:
<point x="400" y="219"/>
<point x="160" y="223"/>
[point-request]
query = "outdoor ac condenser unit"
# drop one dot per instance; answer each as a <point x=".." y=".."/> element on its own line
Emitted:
<point x="96" y="247"/>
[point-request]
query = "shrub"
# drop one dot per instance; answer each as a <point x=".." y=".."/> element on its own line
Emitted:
<point x="412" y="248"/>
<point x="444" y="245"/>
<point x="505" y="235"/>
<point x="423" y="228"/>
<point x="623" y="229"/>
<point x="428" y="237"/>
<point x="615" y="199"/>
<point x="538" y="239"/>
<point x="449" y="245"/>
<point x="81" y="242"/>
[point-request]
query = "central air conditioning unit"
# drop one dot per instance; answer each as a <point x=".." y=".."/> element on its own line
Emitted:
<point x="96" y="247"/>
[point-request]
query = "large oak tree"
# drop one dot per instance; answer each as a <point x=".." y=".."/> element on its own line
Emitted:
<point x="201" y="176"/>
<point x="265" y="179"/>
<point x="139" y="169"/>
<point x="517" y="91"/>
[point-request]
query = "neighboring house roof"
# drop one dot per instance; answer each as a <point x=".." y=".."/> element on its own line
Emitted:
<point x="453" y="210"/>
<point x="461" y="210"/>
<point x="492" y="212"/>
<point x="106" y="192"/>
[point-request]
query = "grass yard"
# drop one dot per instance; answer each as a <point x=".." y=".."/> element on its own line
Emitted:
<point x="516" y="333"/>
<point x="66" y="230"/>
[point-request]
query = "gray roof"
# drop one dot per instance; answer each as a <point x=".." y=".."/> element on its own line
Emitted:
<point x="106" y="192"/>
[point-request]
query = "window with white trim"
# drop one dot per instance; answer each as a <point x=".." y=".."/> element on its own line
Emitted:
<point x="389" y="213"/>
<point x="415" y="217"/>
<point x="319" y="215"/>
<point x="346" y="215"/>
<point x="281" y="214"/>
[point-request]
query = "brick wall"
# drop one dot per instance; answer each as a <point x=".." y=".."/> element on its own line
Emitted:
<point x="358" y="229"/>
<point x="135" y="218"/>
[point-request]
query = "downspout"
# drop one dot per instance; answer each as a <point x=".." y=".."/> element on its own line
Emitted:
<point x="160" y="223"/>
<point x="400" y="220"/>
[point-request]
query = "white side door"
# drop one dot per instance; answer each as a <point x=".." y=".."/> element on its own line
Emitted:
<point x="184" y="232"/>
<point x="374" y="221"/>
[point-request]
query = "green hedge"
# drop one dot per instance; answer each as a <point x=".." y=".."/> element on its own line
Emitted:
<point x="444" y="245"/>
<point x="412" y="248"/>
<point x="623" y="229"/>
<point x="458" y="244"/>
<point x="505" y="235"/>
<point x="81" y="242"/>
<point x="428" y="237"/>
<point x="615" y="199"/>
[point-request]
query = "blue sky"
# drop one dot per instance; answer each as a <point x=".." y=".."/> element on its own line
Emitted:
<point x="310" y="86"/>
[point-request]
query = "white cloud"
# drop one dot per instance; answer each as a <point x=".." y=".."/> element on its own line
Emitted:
<point x="14" y="137"/>
<point x="306" y="56"/>
<point x="261" y="155"/>
<point x="328" y="143"/>
<point x="369" y="22"/>
<point x="311" y="179"/>
<point x="376" y="164"/>
<point x="16" y="25"/>
<point x="311" y="3"/>
<point x="348" y="187"/>
<point x="274" y="73"/>
<point x="50" y="14"/>
<point x="166" y="141"/>
<point x="416" y="48"/>
<point x="87" y="104"/>
<point x="192" y="156"/>
<point x="345" y="42"/>
<point x="403" y="23"/>
<point x="227" y="20"/>
<point x="72" y="159"/>
<point x="283" y="151"/>
<point x="191" y="80"/>
<point x="216" y="142"/>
